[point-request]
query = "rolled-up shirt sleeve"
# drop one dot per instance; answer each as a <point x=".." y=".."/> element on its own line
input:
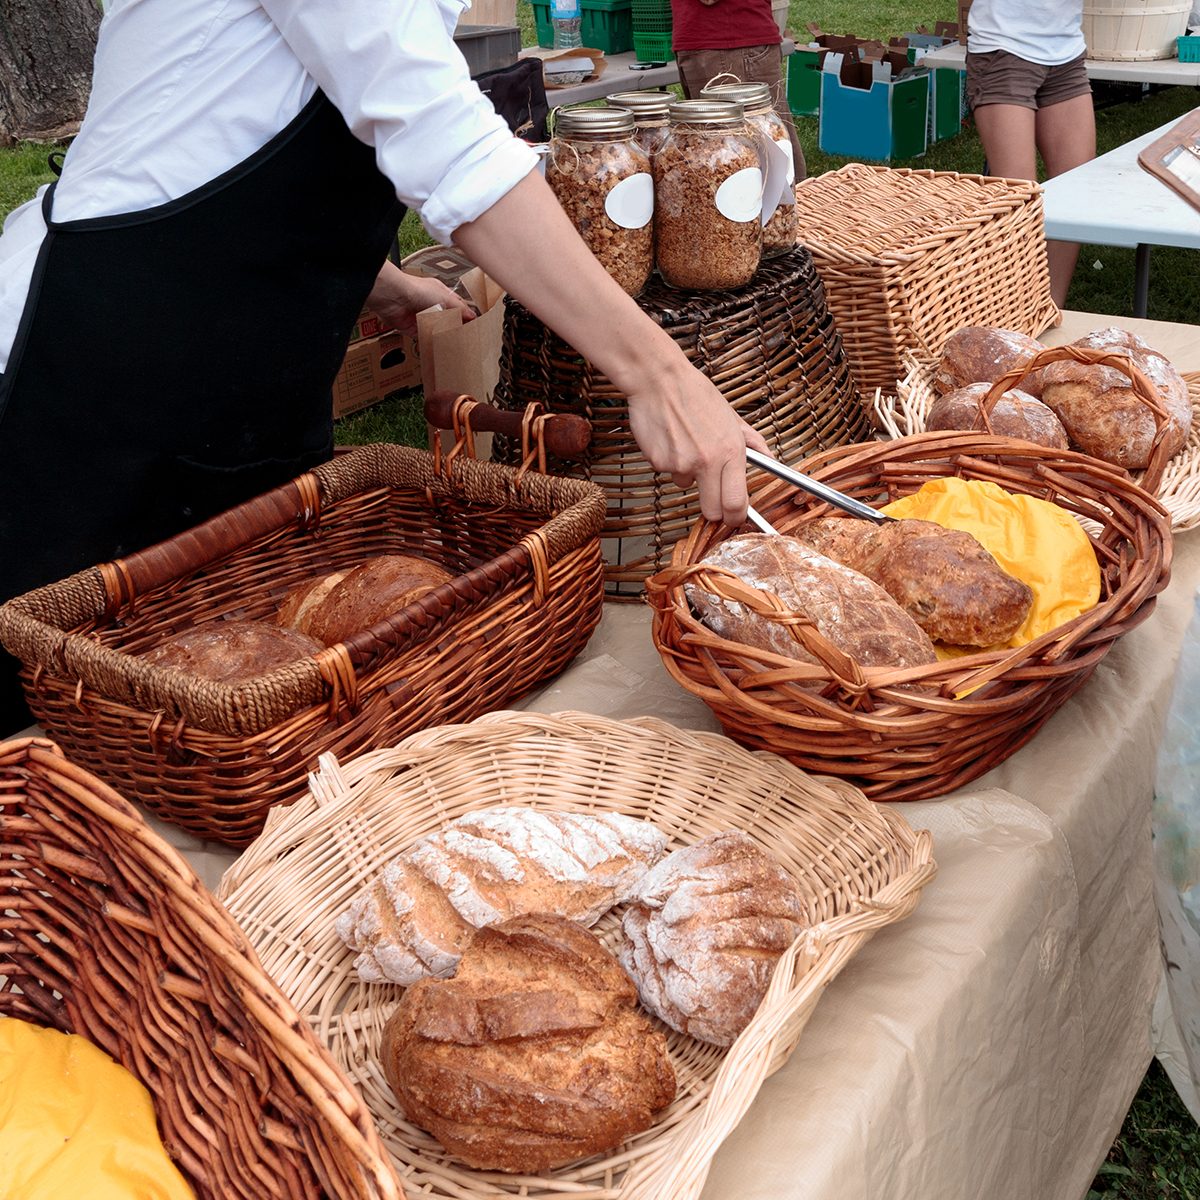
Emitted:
<point x="394" y="73"/>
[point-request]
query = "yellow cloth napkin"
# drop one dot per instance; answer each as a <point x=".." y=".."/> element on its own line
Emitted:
<point x="73" y="1123"/>
<point x="1031" y="539"/>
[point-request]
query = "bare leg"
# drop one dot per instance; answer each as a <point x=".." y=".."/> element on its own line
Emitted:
<point x="1066" y="137"/>
<point x="1007" y="133"/>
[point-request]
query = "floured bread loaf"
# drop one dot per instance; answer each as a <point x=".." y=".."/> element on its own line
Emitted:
<point x="484" y="868"/>
<point x="977" y="354"/>
<point x="847" y="609"/>
<point x="943" y="578"/>
<point x="228" y="651"/>
<point x="1016" y="414"/>
<point x="703" y="933"/>
<point x="1100" y="410"/>
<point x="535" y="1054"/>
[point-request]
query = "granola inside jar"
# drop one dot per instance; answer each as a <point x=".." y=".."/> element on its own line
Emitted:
<point x="602" y="179"/>
<point x="649" y="110"/>
<point x="780" y="231"/>
<point x="708" y="197"/>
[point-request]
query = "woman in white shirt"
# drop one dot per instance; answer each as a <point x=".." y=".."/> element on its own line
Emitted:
<point x="174" y="309"/>
<point x="1030" y="94"/>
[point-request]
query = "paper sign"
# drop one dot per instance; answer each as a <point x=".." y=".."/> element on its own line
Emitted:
<point x="781" y="174"/>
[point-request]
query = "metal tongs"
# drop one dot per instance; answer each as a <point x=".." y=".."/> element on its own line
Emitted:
<point x="822" y="491"/>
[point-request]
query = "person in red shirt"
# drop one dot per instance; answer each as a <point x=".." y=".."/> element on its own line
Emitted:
<point x="734" y="37"/>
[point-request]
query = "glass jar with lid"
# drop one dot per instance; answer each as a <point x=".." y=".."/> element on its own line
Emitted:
<point x="708" y="197"/>
<point x="779" y="234"/>
<point x="649" y="110"/>
<point x="602" y="179"/>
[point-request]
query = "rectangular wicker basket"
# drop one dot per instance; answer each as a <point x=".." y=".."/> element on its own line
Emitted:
<point x="106" y="932"/>
<point x="907" y="257"/>
<point x="213" y="757"/>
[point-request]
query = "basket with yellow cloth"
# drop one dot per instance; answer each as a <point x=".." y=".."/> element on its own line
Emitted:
<point x="916" y="732"/>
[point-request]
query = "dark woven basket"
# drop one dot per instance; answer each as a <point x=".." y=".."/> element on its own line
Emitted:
<point x="770" y="347"/>
<point x="106" y="932"/>
<point x="214" y="757"/>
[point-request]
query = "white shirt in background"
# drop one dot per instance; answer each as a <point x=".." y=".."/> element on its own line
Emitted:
<point x="1046" y="32"/>
<point x="183" y="90"/>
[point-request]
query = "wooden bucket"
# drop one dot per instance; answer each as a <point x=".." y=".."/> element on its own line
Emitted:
<point x="1131" y="30"/>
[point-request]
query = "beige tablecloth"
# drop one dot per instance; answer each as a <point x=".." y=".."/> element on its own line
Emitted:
<point x="990" y="1045"/>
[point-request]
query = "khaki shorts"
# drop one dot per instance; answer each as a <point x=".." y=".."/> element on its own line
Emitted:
<point x="1002" y="78"/>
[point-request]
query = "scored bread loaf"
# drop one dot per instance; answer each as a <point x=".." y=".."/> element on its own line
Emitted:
<point x="486" y="867"/>
<point x="535" y="1054"/>
<point x="949" y="584"/>
<point x="704" y="931"/>
<point x="332" y="607"/>
<point x="1016" y="414"/>
<point x="228" y="651"/>
<point x="976" y="354"/>
<point x="847" y="609"/>
<point x="1100" y="410"/>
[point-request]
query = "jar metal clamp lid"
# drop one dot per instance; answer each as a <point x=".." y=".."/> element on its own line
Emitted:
<point x="648" y="105"/>
<point x="754" y="97"/>
<point x="571" y="122"/>
<point x="706" y="112"/>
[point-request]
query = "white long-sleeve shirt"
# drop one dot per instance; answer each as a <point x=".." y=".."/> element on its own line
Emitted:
<point x="183" y="90"/>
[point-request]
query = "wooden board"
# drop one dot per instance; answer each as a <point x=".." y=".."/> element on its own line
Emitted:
<point x="1175" y="158"/>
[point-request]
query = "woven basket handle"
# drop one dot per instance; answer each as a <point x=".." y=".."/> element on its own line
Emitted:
<point x="566" y="435"/>
<point x="1143" y="389"/>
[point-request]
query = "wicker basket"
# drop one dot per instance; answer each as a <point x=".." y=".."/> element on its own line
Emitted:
<point x="859" y="868"/>
<point x="907" y="257"/>
<point x="910" y="734"/>
<point x="1178" y="490"/>
<point x="770" y="348"/>
<point x="106" y="932"/>
<point x="214" y="757"/>
<point x="1133" y="30"/>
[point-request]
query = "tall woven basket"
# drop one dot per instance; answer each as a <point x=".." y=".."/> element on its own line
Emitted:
<point x="907" y="257"/>
<point x="106" y="932"/>
<point x="214" y="757"/>
<point x="770" y="347"/>
<point x="858" y="868"/>
<point x="919" y="732"/>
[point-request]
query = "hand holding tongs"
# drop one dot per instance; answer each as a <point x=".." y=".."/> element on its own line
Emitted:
<point x="856" y="508"/>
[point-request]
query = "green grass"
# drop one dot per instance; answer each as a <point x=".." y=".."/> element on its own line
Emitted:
<point x="23" y="170"/>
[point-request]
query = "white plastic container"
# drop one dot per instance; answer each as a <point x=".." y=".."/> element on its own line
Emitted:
<point x="1133" y="30"/>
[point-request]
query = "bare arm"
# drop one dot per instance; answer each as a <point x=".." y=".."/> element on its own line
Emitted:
<point x="682" y="423"/>
<point x="397" y="297"/>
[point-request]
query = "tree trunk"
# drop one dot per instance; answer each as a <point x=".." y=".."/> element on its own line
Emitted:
<point x="46" y="49"/>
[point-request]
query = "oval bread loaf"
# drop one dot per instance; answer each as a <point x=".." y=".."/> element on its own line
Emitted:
<point x="703" y="933"/>
<point x="484" y="868"/>
<point x="848" y="610"/>
<point x="1016" y="414"/>
<point x="229" y="651"/>
<point x="976" y="354"/>
<point x="534" y="1055"/>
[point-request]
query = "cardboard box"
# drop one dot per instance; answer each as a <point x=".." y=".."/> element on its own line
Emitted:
<point x="372" y="369"/>
<point x="873" y="110"/>
<point x="368" y="325"/>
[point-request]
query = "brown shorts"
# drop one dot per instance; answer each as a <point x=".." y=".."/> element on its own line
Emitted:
<point x="1002" y="78"/>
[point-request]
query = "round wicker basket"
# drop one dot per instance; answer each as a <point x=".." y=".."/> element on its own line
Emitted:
<point x="859" y="868"/>
<point x="920" y="732"/>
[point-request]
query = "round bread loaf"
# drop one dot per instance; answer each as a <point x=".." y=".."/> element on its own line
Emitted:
<point x="848" y="610"/>
<point x="1016" y="414"/>
<point x="976" y="354"/>
<point x="228" y="651"/>
<point x="703" y="933"/>
<point x="332" y="607"/>
<point x="534" y="1055"/>
<point x="1100" y="410"/>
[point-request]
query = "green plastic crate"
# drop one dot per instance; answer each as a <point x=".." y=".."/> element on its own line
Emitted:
<point x="652" y="47"/>
<point x="804" y="82"/>
<point x="1189" y="47"/>
<point x="651" y="16"/>
<point x="604" y="25"/>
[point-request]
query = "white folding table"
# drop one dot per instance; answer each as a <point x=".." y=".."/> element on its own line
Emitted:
<point x="1164" y="71"/>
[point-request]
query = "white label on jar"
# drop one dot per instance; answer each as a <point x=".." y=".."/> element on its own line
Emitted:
<point x="631" y="203"/>
<point x="781" y="174"/>
<point x="785" y="144"/>
<point x="740" y="197"/>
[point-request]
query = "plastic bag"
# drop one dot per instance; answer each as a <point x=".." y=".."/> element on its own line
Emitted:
<point x="1175" y="820"/>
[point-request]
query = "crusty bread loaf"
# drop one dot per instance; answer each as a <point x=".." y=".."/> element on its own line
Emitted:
<point x="484" y="868"/>
<point x="976" y="354"/>
<point x="1103" y="415"/>
<point x="848" y="610"/>
<point x="703" y="933"/>
<point x="334" y="606"/>
<point x="533" y="1055"/>
<point x="950" y="585"/>
<point x="1016" y="415"/>
<point x="228" y="651"/>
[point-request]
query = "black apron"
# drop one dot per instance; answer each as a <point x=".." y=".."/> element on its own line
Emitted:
<point x="173" y="362"/>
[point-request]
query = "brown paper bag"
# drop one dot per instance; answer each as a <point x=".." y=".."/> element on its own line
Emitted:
<point x="464" y="356"/>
